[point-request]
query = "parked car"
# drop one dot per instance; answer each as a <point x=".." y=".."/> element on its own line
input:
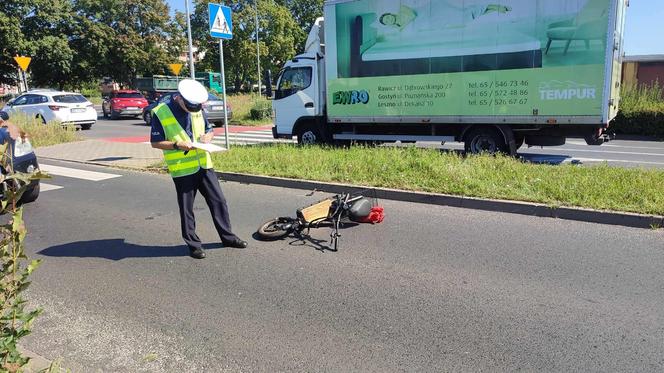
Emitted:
<point x="124" y="103"/>
<point x="24" y="160"/>
<point x="48" y="105"/>
<point x="213" y="108"/>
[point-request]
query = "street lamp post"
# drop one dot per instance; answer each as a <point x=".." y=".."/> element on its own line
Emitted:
<point x="258" y="50"/>
<point x="191" y="46"/>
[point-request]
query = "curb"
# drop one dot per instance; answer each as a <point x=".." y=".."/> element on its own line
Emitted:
<point x="37" y="362"/>
<point x="625" y="219"/>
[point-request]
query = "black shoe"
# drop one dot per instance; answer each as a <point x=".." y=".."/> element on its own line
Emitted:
<point x="236" y="243"/>
<point x="197" y="253"/>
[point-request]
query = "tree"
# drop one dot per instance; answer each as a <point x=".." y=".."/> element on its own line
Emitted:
<point x="278" y="36"/>
<point x="39" y="29"/>
<point x="132" y="37"/>
<point x="305" y="13"/>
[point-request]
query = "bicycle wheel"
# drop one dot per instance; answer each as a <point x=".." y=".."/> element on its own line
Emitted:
<point x="275" y="229"/>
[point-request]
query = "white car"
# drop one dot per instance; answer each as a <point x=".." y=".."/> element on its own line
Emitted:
<point x="63" y="107"/>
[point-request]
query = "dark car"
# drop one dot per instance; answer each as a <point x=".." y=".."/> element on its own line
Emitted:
<point x="124" y="103"/>
<point x="213" y="108"/>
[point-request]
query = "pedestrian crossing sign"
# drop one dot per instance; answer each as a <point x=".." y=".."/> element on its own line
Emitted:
<point x="221" y="24"/>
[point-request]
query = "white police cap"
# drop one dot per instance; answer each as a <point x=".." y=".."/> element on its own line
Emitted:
<point x="193" y="91"/>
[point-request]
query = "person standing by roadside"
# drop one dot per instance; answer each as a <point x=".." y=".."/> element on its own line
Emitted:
<point x="175" y="126"/>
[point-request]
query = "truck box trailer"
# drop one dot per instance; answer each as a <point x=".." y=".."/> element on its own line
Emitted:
<point x="494" y="75"/>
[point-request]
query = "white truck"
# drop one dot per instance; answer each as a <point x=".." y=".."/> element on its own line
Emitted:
<point x="493" y="75"/>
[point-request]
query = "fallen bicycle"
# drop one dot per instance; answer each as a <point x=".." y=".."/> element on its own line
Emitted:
<point x="336" y="210"/>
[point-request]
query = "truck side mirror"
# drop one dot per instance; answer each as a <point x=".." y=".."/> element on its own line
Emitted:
<point x="267" y="80"/>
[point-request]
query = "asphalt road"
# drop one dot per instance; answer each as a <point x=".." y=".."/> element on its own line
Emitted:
<point x="123" y="127"/>
<point x="431" y="289"/>
<point x="621" y="152"/>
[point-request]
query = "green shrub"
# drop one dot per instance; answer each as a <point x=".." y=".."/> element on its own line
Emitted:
<point x="262" y="109"/>
<point x="644" y="123"/>
<point x="41" y="134"/>
<point x="641" y="112"/>
<point x="644" y="98"/>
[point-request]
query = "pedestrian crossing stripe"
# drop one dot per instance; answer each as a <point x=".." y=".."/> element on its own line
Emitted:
<point x="250" y="138"/>
<point x="44" y="187"/>
<point x="76" y="173"/>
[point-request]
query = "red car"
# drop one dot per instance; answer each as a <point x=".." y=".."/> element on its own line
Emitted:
<point x="124" y="102"/>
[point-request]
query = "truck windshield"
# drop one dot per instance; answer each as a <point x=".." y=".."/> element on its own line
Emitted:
<point x="293" y="80"/>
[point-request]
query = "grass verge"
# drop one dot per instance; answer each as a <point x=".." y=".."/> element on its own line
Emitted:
<point x="598" y="187"/>
<point x="41" y="134"/>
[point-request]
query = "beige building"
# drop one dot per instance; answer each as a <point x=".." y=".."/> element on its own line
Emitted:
<point x="643" y="70"/>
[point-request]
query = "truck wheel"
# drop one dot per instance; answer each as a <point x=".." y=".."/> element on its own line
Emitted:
<point x="114" y="115"/>
<point x="519" y="140"/>
<point x="594" y="140"/>
<point x="485" y="140"/>
<point x="86" y="126"/>
<point x="309" y="134"/>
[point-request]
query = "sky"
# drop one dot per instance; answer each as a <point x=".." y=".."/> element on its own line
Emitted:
<point x="644" y="28"/>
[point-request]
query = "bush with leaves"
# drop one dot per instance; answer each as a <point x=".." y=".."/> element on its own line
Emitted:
<point x="15" y="268"/>
<point x="261" y="109"/>
<point x="641" y="111"/>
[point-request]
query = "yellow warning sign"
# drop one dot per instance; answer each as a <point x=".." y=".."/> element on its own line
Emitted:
<point x="175" y="68"/>
<point x="23" y="62"/>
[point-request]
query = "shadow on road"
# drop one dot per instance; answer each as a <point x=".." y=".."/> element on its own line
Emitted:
<point x="117" y="249"/>
<point x="303" y="239"/>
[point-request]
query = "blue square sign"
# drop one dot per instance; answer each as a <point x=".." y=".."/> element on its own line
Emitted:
<point x="221" y="24"/>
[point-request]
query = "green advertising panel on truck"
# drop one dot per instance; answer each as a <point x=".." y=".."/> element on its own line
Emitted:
<point x="491" y="74"/>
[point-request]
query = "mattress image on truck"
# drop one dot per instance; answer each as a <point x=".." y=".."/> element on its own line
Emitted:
<point x="427" y="52"/>
<point x="407" y="37"/>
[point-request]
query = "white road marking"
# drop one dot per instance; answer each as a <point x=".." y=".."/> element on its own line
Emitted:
<point x="43" y="187"/>
<point x="610" y="145"/>
<point x="614" y="160"/>
<point x="249" y="137"/>
<point x="551" y="149"/>
<point x="77" y="174"/>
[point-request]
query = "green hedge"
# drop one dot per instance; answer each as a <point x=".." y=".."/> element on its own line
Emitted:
<point x="644" y="123"/>
<point x="261" y="109"/>
<point x="641" y="111"/>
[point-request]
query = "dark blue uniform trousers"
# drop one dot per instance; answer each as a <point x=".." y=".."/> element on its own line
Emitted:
<point x="206" y="182"/>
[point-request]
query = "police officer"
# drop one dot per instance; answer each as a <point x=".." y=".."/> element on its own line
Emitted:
<point x="175" y="125"/>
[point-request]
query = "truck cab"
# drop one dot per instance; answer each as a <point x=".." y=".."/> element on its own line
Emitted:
<point x="299" y="100"/>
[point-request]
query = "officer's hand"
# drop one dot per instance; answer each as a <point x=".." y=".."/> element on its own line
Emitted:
<point x="185" y="145"/>
<point x="207" y="137"/>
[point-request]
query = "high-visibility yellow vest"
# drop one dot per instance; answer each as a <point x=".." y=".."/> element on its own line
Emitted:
<point x="180" y="164"/>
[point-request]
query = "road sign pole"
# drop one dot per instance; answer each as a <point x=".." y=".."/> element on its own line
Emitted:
<point x="19" y="80"/>
<point x="258" y="50"/>
<point x="223" y="87"/>
<point x="25" y="80"/>
<point x="191" y="44"/>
